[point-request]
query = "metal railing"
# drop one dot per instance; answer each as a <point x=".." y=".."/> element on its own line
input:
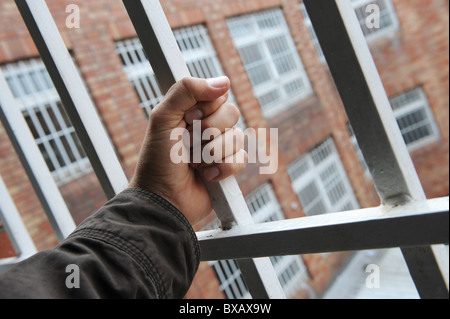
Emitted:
<point x="405" y="219"/>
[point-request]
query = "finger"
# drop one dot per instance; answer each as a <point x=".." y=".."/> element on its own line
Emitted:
<point x="220" y="148"/>
<point x="232" y="165"/>
<point x="226" y="117"/>
<point x="187" y="92"/>
<point x="205" y="109"/>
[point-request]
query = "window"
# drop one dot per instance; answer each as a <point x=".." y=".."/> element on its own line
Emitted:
<point x="290" y="270"/>
<point x="140" y="73"/>
<point x="388" y="18"/>
<point x="415" y="118"/>
<point x="270" y="58"/>
<point x="388" y="21"/>
<point x="40" y="104"/>
<point x="320" y="181"/>
<point x="197" y="50"/>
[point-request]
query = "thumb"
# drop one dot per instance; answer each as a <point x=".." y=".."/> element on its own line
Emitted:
<point x="186" y="93"/>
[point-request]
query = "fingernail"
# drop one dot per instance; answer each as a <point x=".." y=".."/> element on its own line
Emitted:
<point x="210" y="173"/>
<point x="218" y="83"/>
<point x="193" y="115"/>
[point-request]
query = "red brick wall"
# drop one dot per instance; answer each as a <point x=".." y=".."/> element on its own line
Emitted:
<point x="415" y="55"/>
<point x="418" y="56"/>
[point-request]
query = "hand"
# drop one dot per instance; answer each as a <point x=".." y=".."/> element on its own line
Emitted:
<point x="181" y="184"/>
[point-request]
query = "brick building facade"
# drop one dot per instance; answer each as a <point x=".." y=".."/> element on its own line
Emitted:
<point x="278" y="79"/>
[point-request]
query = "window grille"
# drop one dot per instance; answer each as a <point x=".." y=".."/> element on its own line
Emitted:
<point x="198" y="53"/>
<point x="271" y="59"/>
<point x="320" y="181"/>
<point x="415" y="119"/>
<point x="404" y="218"/>
<point x="291" y="271"/>
<point x="139" y="73"/>
<point x="388" y="18"/>
<point x="51" y="128"/>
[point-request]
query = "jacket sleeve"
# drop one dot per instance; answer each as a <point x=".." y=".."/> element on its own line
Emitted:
<point x="138" y="245"/>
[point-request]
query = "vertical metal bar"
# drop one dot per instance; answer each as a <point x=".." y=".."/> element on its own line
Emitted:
<point x="18" y="234"/>
<point x="169" y="66"/>
<point x="371" y="116"/>
<point x="74" y="96"/>
<point x="34" y="164"/>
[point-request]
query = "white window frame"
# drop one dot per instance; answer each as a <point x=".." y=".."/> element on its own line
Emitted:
<point x="198" y="53"/>
<point x="275" y="82"/>
<point x="411" y="102"/>
<point x="389" y="13"/>
<point x="36" y="95"/>
<point x="312" y="168"/>
<point x="139" y="73"/>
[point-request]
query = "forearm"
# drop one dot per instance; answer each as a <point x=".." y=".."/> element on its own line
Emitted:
<point x="136" y="246"/>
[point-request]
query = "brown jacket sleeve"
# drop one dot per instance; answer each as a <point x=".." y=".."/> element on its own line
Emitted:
<point x="136" y="246"/>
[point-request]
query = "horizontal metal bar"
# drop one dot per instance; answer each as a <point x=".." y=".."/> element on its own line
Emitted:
<point x="74" y="95"/>
<point x="415" y="224"/>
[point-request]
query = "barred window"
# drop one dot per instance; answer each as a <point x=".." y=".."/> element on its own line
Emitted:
<point x="271" y="59"/>
<point x="415" y="118"/>
<point x="388" y="18"/>
<point x="388" y="21"/>
<point x="140" y="73"/>
<point x="40" y="104"/>
<point x="197" y="50"/>
<point x="290" y="270"/>
<point x="320" y="181"/>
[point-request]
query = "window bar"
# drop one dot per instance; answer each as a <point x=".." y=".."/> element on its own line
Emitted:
<point x="34" y="164"/>
<point x="17" y="233"/>
<point x="74" y="96"/>
<point x="169" y="66"/>
<point x="371" y="116"/>
<point x="362" y="229"/>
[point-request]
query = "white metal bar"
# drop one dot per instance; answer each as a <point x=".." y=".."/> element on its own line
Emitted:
<point x="371" y="116"/>
<point x="365" y="100"/>
<point x="74" y="96"/>
<point x="17" y="233"/>
<point x="169" y="66"/>
<point x="415" y="224"/>
<point x="34" y="163"/>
